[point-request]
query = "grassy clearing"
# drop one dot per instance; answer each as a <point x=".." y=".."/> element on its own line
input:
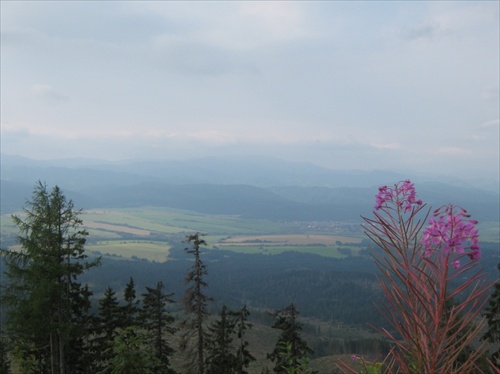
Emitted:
<point x="323" y="245"/>
<point x="124" y="232"/>
<point x="152" y="251"/>
<point x="96" y="234"/>
<point x="125" y="229"/>
<point x="170" y="221"/>
<point x="287" y="239"/>
<point x="125" y="220"/>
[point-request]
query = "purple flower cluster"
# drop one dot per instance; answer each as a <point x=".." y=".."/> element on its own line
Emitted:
<point x="451" y="230"/>
<point x="402" y="194"/>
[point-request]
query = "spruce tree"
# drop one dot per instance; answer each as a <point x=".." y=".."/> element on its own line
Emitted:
<point x="157" y="322"/>
<point x="81" y="354"/>
<point x="220" y="356"/>
<point x="131" y="308"/>
<point x="243" y="355"/>
<point x="227" y="349"/>
<point x="128" y="354"/>
<point x="108" y="323"/>
<point x="290" y="349"/>
<point x="195" y="309"/>
<point x="43" y="287"/>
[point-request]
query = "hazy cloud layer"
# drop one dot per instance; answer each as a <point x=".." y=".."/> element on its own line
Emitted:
<point x="371" y="85"/>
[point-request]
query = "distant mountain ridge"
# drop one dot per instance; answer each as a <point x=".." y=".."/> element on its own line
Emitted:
<point x="256" y="171"/>
<point x="255" y="188"/>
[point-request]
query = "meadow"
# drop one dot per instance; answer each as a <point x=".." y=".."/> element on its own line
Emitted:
<point x="144" y="233"/>
<point x="170" y="221"/>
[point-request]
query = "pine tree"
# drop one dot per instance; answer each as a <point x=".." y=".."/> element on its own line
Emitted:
<point x="80" y="352"/>
<point x="108" y="323"/>
<point x="128" y="355"/>
<point x="243" y="355"/>
<point x="225" y="354"/>
<point x="195" y="309"/>
<point x="43" y="289"/>
<point x="220" y="357"/>
<point x="157" y="321"/>
<point x="131" y="308"/>
<point x="286" y="320"/>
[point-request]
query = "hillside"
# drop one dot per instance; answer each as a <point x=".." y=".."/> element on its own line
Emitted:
<point x="257" y="188"/>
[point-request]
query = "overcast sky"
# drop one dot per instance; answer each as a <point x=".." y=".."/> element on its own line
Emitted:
<point x="348" y="85"/>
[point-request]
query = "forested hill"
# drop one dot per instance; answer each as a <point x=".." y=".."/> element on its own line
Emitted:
<point x="269" y="189"/>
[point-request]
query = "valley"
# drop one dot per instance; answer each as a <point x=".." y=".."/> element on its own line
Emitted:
<point x="267" y="246"/>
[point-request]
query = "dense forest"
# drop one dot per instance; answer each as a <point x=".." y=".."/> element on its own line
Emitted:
<point x="64" y="311"/>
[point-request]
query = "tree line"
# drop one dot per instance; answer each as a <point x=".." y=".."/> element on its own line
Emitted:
<point x="54" y="327"/>
<point x="51" y="327"/>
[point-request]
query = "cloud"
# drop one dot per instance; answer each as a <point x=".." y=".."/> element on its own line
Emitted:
<point x="12" y="135"/>
<point x="455" y="151"/>
<point x="488" y="124"/>
<point x="48" y="93"/>
<point x="237" y="27"/>
<point x="329" y="82"/>
<point x="277" y="21"/>
<point x="196" y="57"/>
<point x="429" y="31"/>
<point x="393" y="146"/>
<point x="489" y="94"/>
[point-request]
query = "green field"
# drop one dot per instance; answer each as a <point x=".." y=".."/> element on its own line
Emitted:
<point x="144" y="233"/>
<point x="126" y="232"/>
<point x="170" y="221"/>
<point x="151" y="251"/>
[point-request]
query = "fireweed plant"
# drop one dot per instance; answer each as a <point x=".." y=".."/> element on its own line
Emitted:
<point x="433" y="291"/>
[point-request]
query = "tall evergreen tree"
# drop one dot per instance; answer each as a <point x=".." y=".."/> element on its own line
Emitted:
<point x="80" y="352"/>
<point x="220" y="356"/>
<point x="128" y="355"/>
<point x="131" y="308"/>
<point x="286" y="320"/>
<point x="243" y="355"/>
<point x="195" y="309"/>
<point x="157" y="322"/>
<point x="43" y="277"/>
<point x="108" y="323"/>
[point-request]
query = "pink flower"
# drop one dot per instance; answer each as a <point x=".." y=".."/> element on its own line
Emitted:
<point x="452" y="232"/>
<point x="402" y="195"/>
<point x="355" y="358"/>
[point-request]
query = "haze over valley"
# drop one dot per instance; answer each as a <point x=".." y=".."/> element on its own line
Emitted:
<point x="240" y="148"/>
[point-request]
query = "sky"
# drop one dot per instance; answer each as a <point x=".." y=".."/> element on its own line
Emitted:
<point x="399" y="85"/>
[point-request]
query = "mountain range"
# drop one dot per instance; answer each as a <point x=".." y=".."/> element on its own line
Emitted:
<point x="255" y="187"/>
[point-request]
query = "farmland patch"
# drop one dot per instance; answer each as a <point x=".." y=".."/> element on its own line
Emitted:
<point x="301" y="240"/>
<point x="135" y="249"/>
<point x="117" y="228"/>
